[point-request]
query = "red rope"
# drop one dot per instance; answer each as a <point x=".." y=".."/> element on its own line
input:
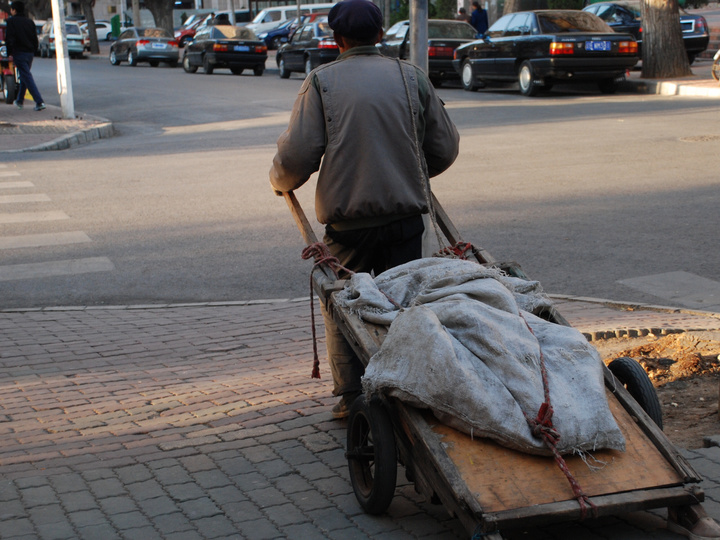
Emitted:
<point x="542" y="428"/>
<point x="321" y="253"/>
<point x="459" y="250"/>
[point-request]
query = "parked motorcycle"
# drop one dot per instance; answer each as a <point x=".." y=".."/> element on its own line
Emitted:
<point x="716" y="66"/>
<point x="9" y="80"/>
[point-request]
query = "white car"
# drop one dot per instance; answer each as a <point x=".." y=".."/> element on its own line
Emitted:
<point x="103" y="29"/>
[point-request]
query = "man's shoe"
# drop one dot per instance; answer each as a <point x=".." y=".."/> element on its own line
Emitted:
<point x="342" y="409"/>
<point x="18" y="104"/>
<point x="693" y="522"/>
<point x="40" y="107"/>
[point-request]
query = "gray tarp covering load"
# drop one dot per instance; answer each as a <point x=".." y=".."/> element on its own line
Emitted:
<point x="461" y="347"/>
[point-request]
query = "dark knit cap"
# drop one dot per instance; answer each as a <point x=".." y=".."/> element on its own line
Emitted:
<point x="19" y="7"/>
<point x="356" y="19"/>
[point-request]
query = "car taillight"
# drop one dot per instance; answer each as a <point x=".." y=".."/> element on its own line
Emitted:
<point x="143" y="42"/>
<point x="173" y="43"/>
<point x="628" y="47"/>
<point x="701" y="25"/>
<point x="557" y="47"/>
<point x="261" y="48"/>
<point x="220" y="47"/>
<point x="327" y="44"/>
<point x="440" y="51"/>
<point x="51" y="40"/>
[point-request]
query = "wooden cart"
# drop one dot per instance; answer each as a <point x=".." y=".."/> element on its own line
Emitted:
<point x="486" y="486"/>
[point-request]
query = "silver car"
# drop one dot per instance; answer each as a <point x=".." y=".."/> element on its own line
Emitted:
<point x="77" y="40"/>
<point x="152" y="45"/>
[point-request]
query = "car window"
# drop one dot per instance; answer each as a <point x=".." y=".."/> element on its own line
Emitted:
<point x="154" y="32"/>
<point x="203" y="34"/>
<point x="563" y="22"/>
<point x="497" y="29"/>
<point x="72" y="29"/>
<point x="231" y="32"/>
<point x="442" y="29"/>
<point x="306" y="33"/>
<point x="519" y="25"/>
<point x="390" y="34"/>
<point x="324" y="29"/>
<point x="127" y="34"/>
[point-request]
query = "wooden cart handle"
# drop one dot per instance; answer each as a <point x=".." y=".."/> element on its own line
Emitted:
<point x="300" y="219"/>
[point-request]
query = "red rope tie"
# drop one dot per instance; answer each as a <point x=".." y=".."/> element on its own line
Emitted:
<point x="321" y="253"/>
<point x="542" y="428"/>
<point x="459" y="250"/>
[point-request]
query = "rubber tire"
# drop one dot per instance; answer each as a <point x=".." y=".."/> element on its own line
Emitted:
<point x="9" y="88"/>
<point x="43" y="54"/>
<point x="113" y="59"/>
<point x="131" y="59"/>
<point x="236" y="71"/>
<point x="282" y="70"/>
<point x="371" y="455"/>
<point x="154" y="63"/>
<point x="208" y="68"/>
<point x="716" y="70"/>
<point x="275" y="43"/>
<point x="187" y="66"/>
<point x="525" y="80"/>
<point x="258" y="71"/>
<point x="466" y="77"/>
<point x="691" y="58"/>
<point x="633" y="377"/>
<point x="308" y="66"/>
<point x="607" y="86"/>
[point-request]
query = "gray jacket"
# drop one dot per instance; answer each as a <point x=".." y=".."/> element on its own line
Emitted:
<point x="353" y="114"/>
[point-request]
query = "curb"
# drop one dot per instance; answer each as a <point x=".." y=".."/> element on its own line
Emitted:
<point x="103" y="131"/>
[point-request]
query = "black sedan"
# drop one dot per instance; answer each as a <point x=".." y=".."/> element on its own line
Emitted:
<point x="444" y="36"/>
<point x="539" y="48"/>
<point x="153" y="45"/>
<point x="225" y="46"/>
<point x="310" y="46"/>
<point x="625" y="17"/>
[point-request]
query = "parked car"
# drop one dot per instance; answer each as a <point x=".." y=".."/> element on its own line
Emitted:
<point x="539" y="48"/>
<point x="273" y="17"/>
<point x="77" y="40"/>
<point x="275" y="38"/>
<point x="152" y="45"/>
<point x="103" y="30"/>
<point x="310" y="46"/>
<point x="625" y="17"/>
<point x="444" y="36"/>
<point x="225" y="46"/>
<point x="186" y="33"/>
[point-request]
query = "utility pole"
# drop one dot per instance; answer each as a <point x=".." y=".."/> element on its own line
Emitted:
<point x="419" y="34"/>
<point x="64" y="79"/>
<point x="232" y="13"/>
<point x="136" y="13"/>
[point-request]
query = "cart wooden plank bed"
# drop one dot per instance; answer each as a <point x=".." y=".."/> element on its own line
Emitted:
<point x="489" y="487"/>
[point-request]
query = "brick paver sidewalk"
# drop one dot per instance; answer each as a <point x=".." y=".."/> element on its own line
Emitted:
<point x="200" y="422"/>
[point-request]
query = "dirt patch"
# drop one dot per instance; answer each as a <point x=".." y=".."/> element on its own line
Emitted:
<point x="685" y="370"/>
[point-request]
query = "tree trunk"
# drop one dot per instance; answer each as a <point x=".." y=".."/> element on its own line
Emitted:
<point x="663" y="51"/>
<point x="87" y="9"/>
<point x="512" y="6"/>
<point x="162" y="13"/>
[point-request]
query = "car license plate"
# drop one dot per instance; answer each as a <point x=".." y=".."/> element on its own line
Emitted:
<point x="242" y="48"/>
<point x="598" y="46"/>
<point x="158" y="45"/>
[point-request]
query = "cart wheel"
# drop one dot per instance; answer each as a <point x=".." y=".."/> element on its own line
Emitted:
<point x="632" y="375"/>
<point x="9" y="89"/>
<point x="371" y="455"/>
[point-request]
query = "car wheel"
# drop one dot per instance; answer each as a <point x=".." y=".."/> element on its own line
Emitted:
<point x="154" y="63"/>
<point x="236" y="71"/>
<point x="466" y="76"/>
<point x="183" y="42"/>
<point x="275" y="43"/>
<point x="607" y="86"/>
<point x="113" y="58"/>
<point x="308" y="66"/>
<point x="526" y="78"/>
<point x="716" y="70"/>
<point x="207" y="66"/>
<point x="9" y="88"/>
<point x="108" y="37"/>
<point x="132" y="60"/>
<point x="284" y="73"/>
<point x="691" y="58"/>
<point x="258" y="71"/>
<point x="42" y="52"/>
<point x="189" y="68"/>
<point x="437" y="83"/>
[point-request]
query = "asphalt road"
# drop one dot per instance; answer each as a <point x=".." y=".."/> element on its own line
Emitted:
<point x="605" y="196"/>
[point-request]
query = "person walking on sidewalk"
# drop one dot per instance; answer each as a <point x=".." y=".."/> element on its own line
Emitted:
<point x="22" y="42"/>
<point x="354" y="115"/>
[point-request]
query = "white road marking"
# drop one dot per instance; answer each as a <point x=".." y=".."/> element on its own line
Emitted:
<point x="42" y="240"/>
<point x="30" y="217"/>
<point x="14" y="199"/>
<point x="8" y="185"/>
<point x="9" y="173"/>
<point x="55" y="268"/>
<point x="683" y="288"/>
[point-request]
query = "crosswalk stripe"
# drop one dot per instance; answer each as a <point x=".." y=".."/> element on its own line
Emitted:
<point x="9" y="173"/>
<point x="8" y="185"/>
<point x="41" y="240"/>
<point x="55" y="268"/>
<point x="30" y="217"/>
<point x="12" y="199"/>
